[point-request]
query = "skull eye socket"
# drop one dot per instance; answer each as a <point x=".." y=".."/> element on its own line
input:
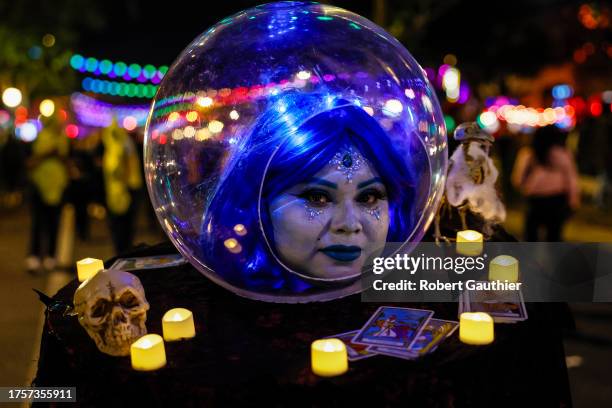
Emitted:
<point x="128" y="300"/>
<point x="101" y="308"/>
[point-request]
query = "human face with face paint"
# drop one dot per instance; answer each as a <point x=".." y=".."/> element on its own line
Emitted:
<point x="327" y="227"/>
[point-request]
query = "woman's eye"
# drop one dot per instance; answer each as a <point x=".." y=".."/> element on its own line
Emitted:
<point x="370" y="197"/>
<point x="316" y="197"/>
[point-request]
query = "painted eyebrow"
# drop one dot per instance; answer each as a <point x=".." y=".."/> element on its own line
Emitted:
<point x="323" y="182"/>
<point x="370" y="181"/>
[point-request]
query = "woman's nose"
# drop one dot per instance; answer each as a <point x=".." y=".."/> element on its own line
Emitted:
<point x="345" y="219"/>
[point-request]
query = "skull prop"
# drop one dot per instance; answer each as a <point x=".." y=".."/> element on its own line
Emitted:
<point x="112" y="307"/>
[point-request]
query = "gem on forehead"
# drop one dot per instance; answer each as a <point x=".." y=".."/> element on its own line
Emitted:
<point x="347" y="160"/>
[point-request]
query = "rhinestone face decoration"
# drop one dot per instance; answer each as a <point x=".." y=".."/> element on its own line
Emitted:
<point x="348" y="161"/>
<point x="313" y="212"/>
<point x="374" y="212"/>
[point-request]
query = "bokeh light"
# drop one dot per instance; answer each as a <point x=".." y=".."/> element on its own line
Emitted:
<point x="48" y="40"/>
<point x="72" y="131"/>
<point x="11" y="97"/>
<point x="47" y="107"/>
<point x="27" y="131"/>
<point x="205" y="101"/>
<point x="130" y="123"/>
<point x="215" y="126"/>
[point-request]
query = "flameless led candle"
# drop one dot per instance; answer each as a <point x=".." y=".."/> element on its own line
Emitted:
<point x="328" y="357"/>
<point x="148" y="353"/>
<point x="504" y="267"/>
<point x="88" y="267"/>
<point x="476" y="328"/>
<point x="177" y="324"/>
<point x="469" y="242"/>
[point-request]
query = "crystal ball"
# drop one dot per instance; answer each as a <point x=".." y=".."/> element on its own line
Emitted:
<point x="289" y="146"/>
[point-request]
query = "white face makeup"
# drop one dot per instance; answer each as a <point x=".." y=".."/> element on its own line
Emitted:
<point x="329" y="226"/>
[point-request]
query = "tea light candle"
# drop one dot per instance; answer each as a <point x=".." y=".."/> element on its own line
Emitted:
<point x="328" y="357"/>
<point x="476" y="328"/>
<point x="469" y="242"/>
<point x="148" y="353"/>
<point x="177" y="324"/>
<point x="88" y="267"/>
<point x="504" y="268"/>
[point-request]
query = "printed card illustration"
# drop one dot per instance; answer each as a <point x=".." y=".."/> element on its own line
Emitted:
<point x="503" y="306"/>
<point x="148" y="262"/>
<point x="434" y="333"/>
<point x="355" y="351"/>
<point x="393" y="326"/>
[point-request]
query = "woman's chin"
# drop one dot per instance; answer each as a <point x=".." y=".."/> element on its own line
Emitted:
<point x="333" y="272"/>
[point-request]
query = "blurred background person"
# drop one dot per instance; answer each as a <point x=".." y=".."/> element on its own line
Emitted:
<point x="48" y="176"/>
<point x="122" y="181"/>
<point x="83" y="187"/>
<point x="12" y="175"/>
<point x="545" y="173"/>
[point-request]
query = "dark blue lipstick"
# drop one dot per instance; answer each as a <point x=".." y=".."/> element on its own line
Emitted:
<point x="342" y="253"/>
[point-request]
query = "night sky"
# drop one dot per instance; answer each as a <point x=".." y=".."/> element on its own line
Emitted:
<point x="524" y="36"/>
<point x="490" y="39"/>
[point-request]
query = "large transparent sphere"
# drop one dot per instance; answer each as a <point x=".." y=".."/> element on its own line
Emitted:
<point x="288" y="145"/>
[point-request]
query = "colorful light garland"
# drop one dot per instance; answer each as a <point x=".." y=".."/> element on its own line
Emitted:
<point x="519" y="116"/>
<point x="92" y="112"/>
<point x="126" y="89"/>
<point x="119" y="69"/>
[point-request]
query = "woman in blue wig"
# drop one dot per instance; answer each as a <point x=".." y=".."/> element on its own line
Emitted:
<point x="309" y="198"/>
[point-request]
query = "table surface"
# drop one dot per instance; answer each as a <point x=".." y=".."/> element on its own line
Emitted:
<point x="250" y="353"/>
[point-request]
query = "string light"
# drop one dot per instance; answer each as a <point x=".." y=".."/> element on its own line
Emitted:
<point x="450" y="123"/>
<point x="91" y="112"/>
<point x="522" y="116"/>
<point x="204" y="101"/>
<point x="125" y="89"/>
<point x="119" y="69"/>
<point x="191" y="116"/>
<point x="215" y="126"/>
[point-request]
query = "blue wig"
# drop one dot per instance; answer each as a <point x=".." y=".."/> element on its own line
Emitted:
<point x="296" y="138"/>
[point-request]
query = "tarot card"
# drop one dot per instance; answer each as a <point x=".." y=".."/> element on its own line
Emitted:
<point x="434" y="333"/>
<point x="355" y="351"/>
<point x="503" y="306"/>
<point x="148" y="262"/>
<point x="393" y="327"/>
<point x="393" y="352"/>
